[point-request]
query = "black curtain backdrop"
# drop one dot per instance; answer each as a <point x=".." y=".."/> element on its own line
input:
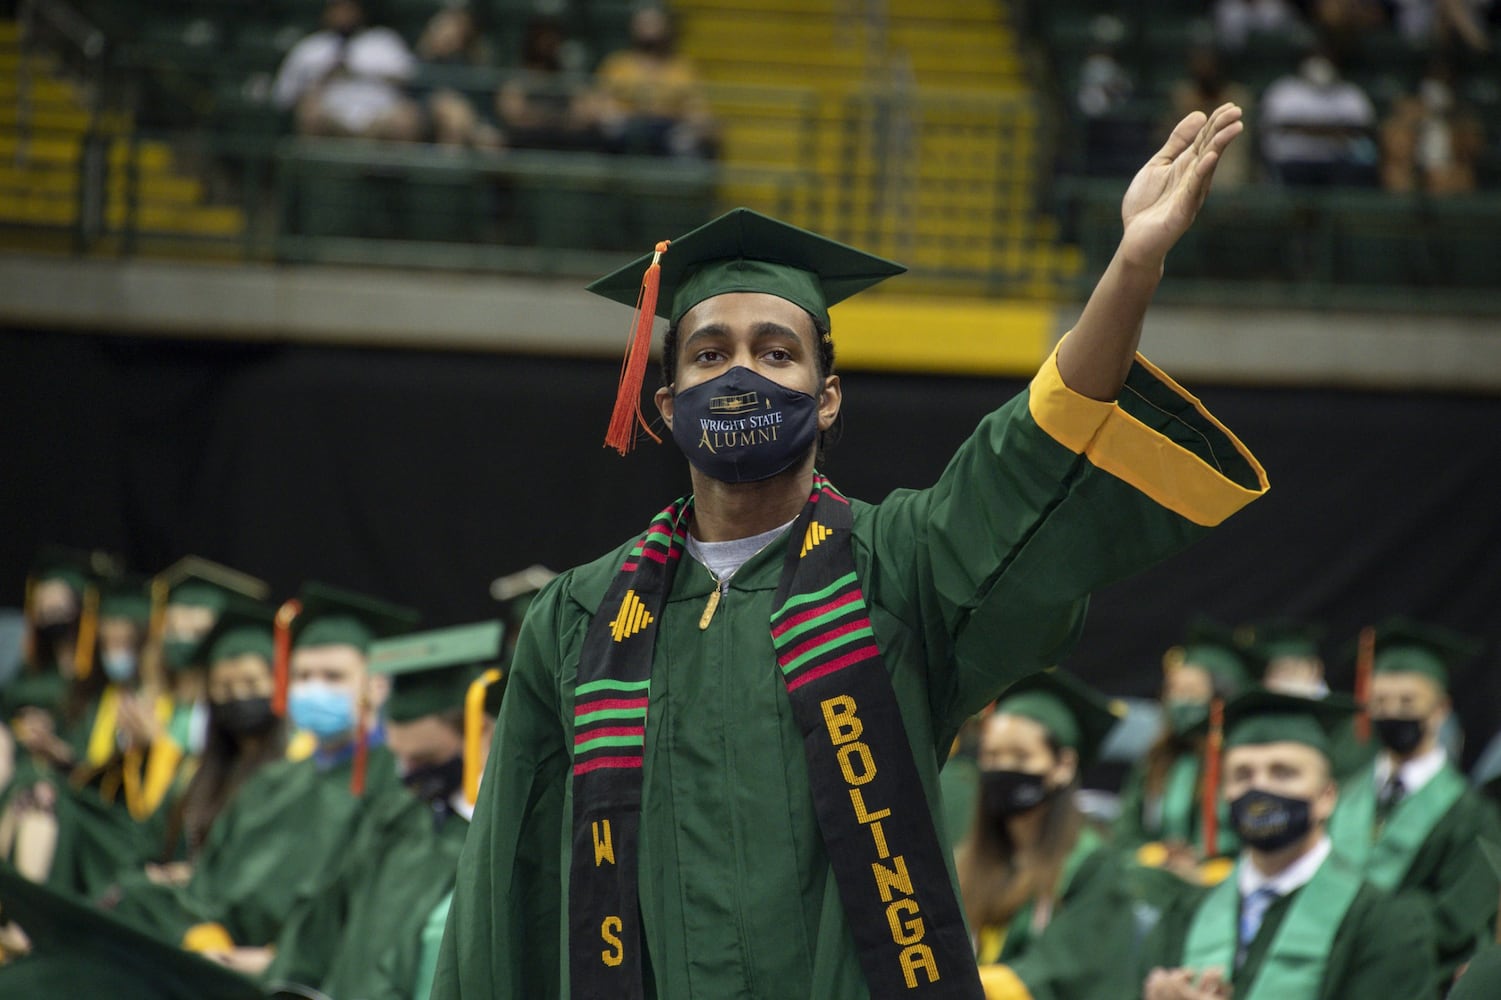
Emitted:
<point x="422" y="476"/>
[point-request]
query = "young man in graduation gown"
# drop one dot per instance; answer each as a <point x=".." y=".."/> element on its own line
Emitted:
<point x="290" y="820"/>
<point x="1410" y="820"/>
<point x="717" y="764"/>
<point x="1295" y="920"/>
<point x="359" y="933"/>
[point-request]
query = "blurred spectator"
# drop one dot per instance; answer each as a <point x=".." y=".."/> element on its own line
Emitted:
<point x="1114" y="137"/>
<point x="544" y="107"/>
<point x="1345" y="20"/>
<point x="347" y="79"/>
<point x="1428" y="143"/>
<point x="652" y="101"/>
<point x="452" y="40"/>
<point x="1317" y="128"/>
<point x="1425" y="22"/>
<point x="1236" y="21"/>
<point x="1204" y="89"/>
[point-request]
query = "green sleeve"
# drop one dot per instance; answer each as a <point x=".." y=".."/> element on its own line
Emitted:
<point x="1098" y="911"/>
<point x="1053" y="496"/>
<point x="505" y="928"/>
<point x="1384" y="948"/>
<point x="1451" y="875"/>
<point x="1130" y="831"/>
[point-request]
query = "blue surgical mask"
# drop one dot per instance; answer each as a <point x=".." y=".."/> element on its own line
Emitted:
<point x="119" y="665"/>
<point x="322" y="710"/>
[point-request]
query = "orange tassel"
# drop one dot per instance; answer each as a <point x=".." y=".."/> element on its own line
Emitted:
<point x="285" y="615"/>
<point x="1209" y="824"/>
<point x="88" y="633"/>
<point x="1365" y="662"/>
<point x="361" y="751"/>
<point x="627" y="414"/>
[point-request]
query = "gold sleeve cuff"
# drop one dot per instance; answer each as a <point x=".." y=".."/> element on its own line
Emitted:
<point x="207" y="937"/>
<point x="1116" y="442"/>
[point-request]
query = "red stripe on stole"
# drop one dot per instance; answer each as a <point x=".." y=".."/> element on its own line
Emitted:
<point x="611" y="703"/>
<point x="654" y="554"/>
<point x="803" y="616"/>
<point x="592" y="734"/>
<point x="847" y="660"/>
<point x="823" y="637"/>
<point x="595" y="763"/>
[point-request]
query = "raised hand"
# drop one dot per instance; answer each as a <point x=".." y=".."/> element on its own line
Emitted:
<point x="1165" y="195"/>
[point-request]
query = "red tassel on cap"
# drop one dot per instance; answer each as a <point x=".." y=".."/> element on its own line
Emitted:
<point x="361" y="750"/>
<point x="285" y="615"/>
<point x="627" y="414"/>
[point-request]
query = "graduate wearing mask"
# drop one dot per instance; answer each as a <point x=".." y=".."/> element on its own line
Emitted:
<point x="359" y="933"/>
<point x="1295" y="920"/>
<point x="1162" y="795"/>
<point x="1410" y="821"/>
<point x="716" y="715"/>
<point x="1035" y="879"/>
<point x="290" y="820"/>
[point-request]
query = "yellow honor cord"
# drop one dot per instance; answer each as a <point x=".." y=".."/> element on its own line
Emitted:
<point x="88" y="632"/>
<point x="474" y="724"/>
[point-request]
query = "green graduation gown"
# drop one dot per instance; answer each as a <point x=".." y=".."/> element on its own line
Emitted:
<point x="1382" y="948"/>
<point x="1097" y="906"/>
<point x="1448" y="871"/>
<point x="971" y="584"/>
<point x="281" y="832"/>
<point x="1178" y="816"/>
<point x="359" y="934"/>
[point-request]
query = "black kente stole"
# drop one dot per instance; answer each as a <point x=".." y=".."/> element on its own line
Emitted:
<point x="877" y="830"/>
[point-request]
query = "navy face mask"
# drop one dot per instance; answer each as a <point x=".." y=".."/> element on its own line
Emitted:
<point x="742" y="427"/>
<point x="1270" y="822"/>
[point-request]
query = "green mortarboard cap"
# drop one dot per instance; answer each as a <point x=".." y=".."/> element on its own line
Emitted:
<point x="744" y="251"/>
<point x="75" y="567"/>
<point x="127" y="597"/>
<point x="1277" y="638"/>
<point x="1404" y="646"/>
<point x="77" y="950"/>
<point x="1211" y="647"/>
<point x="201" y="582"/>
<point x="1077" y="715"/>
<point x="243" y="626"/>
<point x="331" y="616"/>
<point x="1261" y="716"/>
<point x="431" y="671"/>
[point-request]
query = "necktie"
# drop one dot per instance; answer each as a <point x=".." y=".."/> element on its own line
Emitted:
<point x="1391" y="794"/>
<point x="1252" y="909"/>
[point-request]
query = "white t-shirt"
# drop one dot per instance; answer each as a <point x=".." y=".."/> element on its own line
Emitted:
<point x="375" y="61"/>
<point x="1293" y="101"/>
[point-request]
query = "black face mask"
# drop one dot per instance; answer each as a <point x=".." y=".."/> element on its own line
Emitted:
<point x="742" y="427"/>
<point x="1400" y="736"/>
<point x="1270" y="822"/>
<point x="435" y="784"/>
<point x="244" y="716"/>
<point x="55" y="633"/>
<point x="1010" y="793"/>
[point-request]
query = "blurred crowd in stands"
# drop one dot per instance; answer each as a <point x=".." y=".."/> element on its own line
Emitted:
<point x="352" y="78"/>
<point x="1338" y="93"/>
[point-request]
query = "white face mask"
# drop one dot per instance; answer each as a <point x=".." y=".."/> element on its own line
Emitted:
<point x="119" y="665"/>
<point x="1313" y="688"/>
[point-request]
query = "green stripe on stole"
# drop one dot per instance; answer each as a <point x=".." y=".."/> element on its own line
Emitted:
<point x="1294" y="966"/>
<point x="1385" y="859"/>
<point x="1180" y="799"/>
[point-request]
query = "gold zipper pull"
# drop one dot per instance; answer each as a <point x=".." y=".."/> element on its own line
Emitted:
<point x="710" y="608"/>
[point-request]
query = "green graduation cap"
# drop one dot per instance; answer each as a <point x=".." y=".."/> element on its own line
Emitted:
<point x="1212" y="648"/>
<point x="1077" y="715"/>
<point x="745" y="251"/>
<point x="75" y="567"/>
<point x="77" y="950"/>
<point x="127" y="596"/>
<point x="331" y="616"/>
<point x="431" y="671"/>
<point x="1277" y="638"/>
<point x="1261" y="716"/>
<point x="198" y="582"/>
<point x="244" y="626"/>
<point x="1404" y="646"/>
